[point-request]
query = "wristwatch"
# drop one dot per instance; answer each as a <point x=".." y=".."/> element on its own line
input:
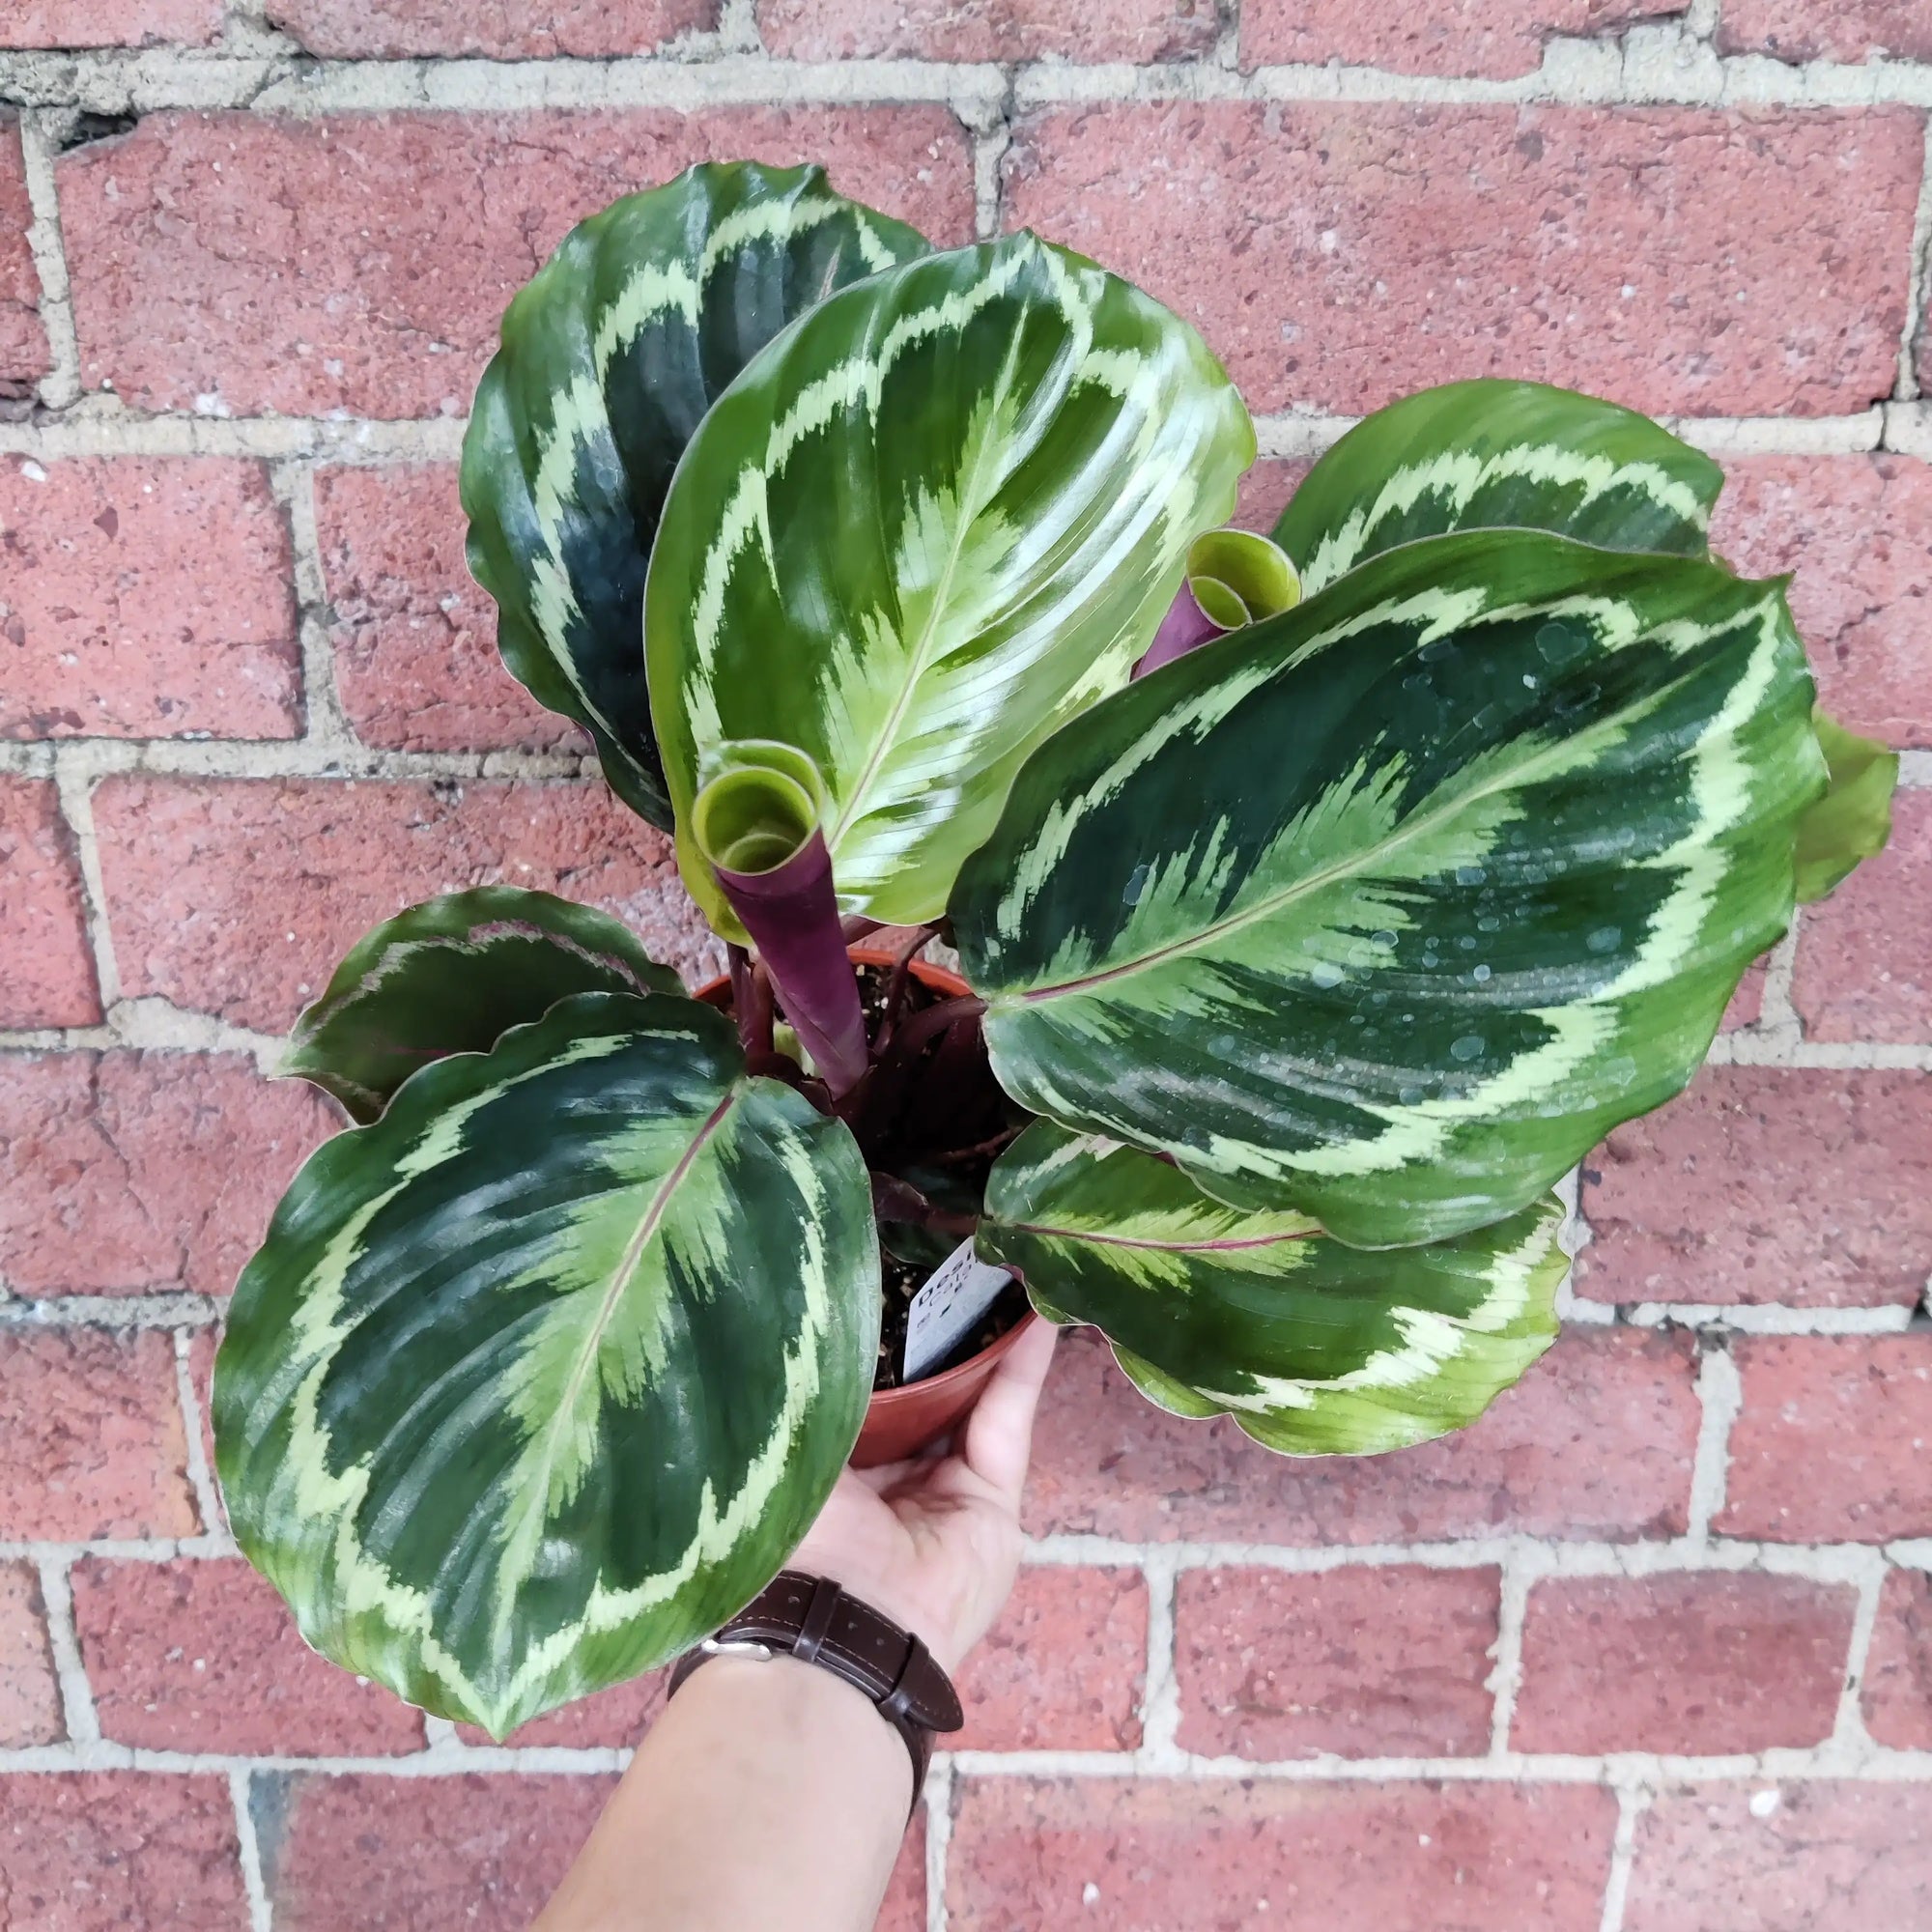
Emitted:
<point x="812" y="1619"/>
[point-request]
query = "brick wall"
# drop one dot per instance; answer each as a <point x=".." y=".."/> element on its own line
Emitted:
<point x="1647" y="1650"/>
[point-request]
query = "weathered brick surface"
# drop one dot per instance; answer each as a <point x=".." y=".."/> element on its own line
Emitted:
<point x="145" y="599"/>
<point x="362" y="263"/>
<point x="1166" y="1855"/>
<point x="374" y="1854"/>
<point x="1834" y="1855"/>
<point x="30" y="1705"/>
<point x="1685" y="1661"/>
<point x="1064" y="1667"/>
<point x="121" y="1174"/>
<point x="1364" y="1662"/>
<point x="50" y="979"/>
<point x="91" y="1436"/>
<point x="987" y="29"/>
<point x="1767" y="1184"/>
<point x="1864" y="955"/>
<point x="239" y="897"/>
<point x="1493" y="38"/>
<point x="1338" y="256"/>
<point x="1852" y="529"/>
<point x="202" y="1656"/>
<point x="1897" y="1692"/>
<point x="89" y="1851"/>
<point x="1596" y="1441"/>
<point x="109" y="23"/>
<point x="23" y="340"/>
<point x="498" y="29"/>
<point x="1846" y="30"/>
<point x="416" y="637"/>
<point x="1832" y="1443"/>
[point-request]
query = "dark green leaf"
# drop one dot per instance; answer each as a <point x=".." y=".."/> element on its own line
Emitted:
<point x="451" y="976"/>
<point x="611" y="357"/>
<point x="541" y="1376"/>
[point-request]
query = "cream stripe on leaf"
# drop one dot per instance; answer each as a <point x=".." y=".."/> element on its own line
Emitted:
<point x="1314" y="1347"/>
<point x="1492" y="455"/>
<point x="935" y="520"/>
<point x="1388" y="908"/>
<point x="611" y="355"/>
<point x="542" y="1375"/>
<point x="451" y="976"/>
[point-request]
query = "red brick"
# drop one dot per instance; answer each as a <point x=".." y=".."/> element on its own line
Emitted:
<point x="1897" y="1692"/>
<point x="987" y="29"/>
<point x="86" y="1852"/>
<point x="145" y="598"/>
<point x="416" y="639"/>
<point x="237" y="264"/>
<point x="30" y="1704"/>
<point x="23" y="341"/>
<point x="109" y="23"/>
<point x="1846" y="30"/>
<point x="1163" y="1854"/>
<point x="1339" y="255"/>
<point x="1830" y="1857"/>
<point x="1597" y="1442"/>
<point x="1687" y="1662"/>
<point x="238" y="897"/>
<point x="1363" y="1661"/>
<point x="374" y="1854"/>
<point x="202" y="1656"/>
<point x="615" y="1718"/>
<point x="1747" y="1006"/>
<point x="1864" y="956"/>
<point x="1852" y="529"/>
<point x="495" y="29"/>
<point x="1832" y="1443"/>
<point x="50" y="979"/>
<point x="1266" y="490"/>
<point x="121" y="1174"/>
<point x="1064" y="1667"/>
<point x="1763" y="1183"/>
<point x="1493" y="38"/>
<point x="91" y="1438"/>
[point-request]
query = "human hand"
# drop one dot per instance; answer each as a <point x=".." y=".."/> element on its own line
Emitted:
<point x="935" y="1543"/>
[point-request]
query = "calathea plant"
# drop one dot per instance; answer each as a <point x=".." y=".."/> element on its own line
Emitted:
<point x="1429" y="844"/>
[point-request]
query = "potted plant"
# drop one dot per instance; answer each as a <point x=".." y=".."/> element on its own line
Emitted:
<point x="1293" y="972"/>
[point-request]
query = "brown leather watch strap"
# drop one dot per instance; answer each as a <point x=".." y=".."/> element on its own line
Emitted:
<point x="812" y="1619"/>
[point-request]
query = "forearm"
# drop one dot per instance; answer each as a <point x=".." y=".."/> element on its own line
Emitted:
<point x="765" y="1794"/>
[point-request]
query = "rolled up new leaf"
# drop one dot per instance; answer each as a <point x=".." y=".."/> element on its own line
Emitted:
<point x="469" y="1414"/>
<point x="934" y="520"/>
<point x="1389" y="908"/>
<point x="756" y="823"/>
<point x="1234" y="577"/>
<point x="452" y="975"/>
<point x="611" y="355"/>
<point x="1314" y="1347"/>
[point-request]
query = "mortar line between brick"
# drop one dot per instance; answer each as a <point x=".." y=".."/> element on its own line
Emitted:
<point x="1778" y="1017"/>
<point x="1161" y="1692"/>
<point x="254" y="1883"/>
<point x="1919" y="283"/>
<point x="938" y="1838"/>
<point x="81" y="1723"/>
<point x="1720" y="1396"/>
<point x="1631" y="1802"/>
<point x="1518" y="1573"/>
<point x="61" y="384"/>
<point x="73" y="786"/>
<point x="325" y="724"/>
<point x="200" y="1477"/>
<point x="1848" y="1731"/>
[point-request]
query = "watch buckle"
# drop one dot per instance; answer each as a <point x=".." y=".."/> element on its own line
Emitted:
<point x="736" y="1647"/>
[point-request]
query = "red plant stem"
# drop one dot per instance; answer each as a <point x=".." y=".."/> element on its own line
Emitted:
<point x="1185" y="628"/>
<point x="897" y="985"/>
<point x="897" y="1200"/>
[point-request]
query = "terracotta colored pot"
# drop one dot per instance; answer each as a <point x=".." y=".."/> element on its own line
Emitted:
<point x="900" y="1422"/>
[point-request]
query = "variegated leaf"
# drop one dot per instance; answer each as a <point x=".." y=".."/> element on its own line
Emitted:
<point x="1314" y="1347"/>
<point x="937" y="518"/>
<point x="1490" y="455"/>
<point x="542" y="1375"/>
<point x="1388" y="908"/>
<point x="611" y="357"/>
<point x="451" y="976"/>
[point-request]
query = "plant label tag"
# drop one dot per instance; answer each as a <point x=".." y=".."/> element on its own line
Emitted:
<point x="956" y="1295"/>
